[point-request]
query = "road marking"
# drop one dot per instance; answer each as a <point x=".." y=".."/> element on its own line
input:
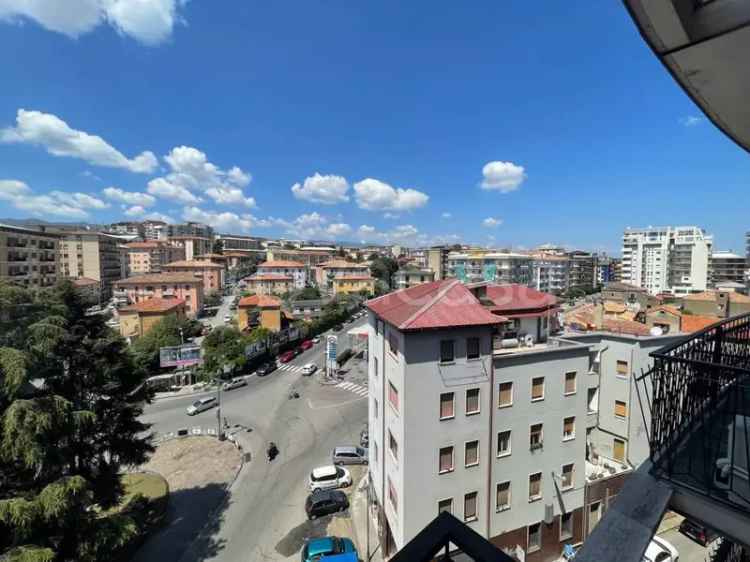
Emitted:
<point x="352" y="387"/>
<point x="336" y="405"/>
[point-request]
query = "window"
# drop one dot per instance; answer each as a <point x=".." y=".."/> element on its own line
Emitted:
<point x="622" y="368"/>
<point x="375" y="362"/>
<point x="570" y="383"/>
<point x="445" y="505"/>
<point x="535" y="436"/>
<point x="375" y="407"/>
<point x="594" y="514"/>
<point x="569" y="428"/>
<point x="375" y="451"/>
<point x="621" y="409"/>
<point x="471" y="454"/>
<point x="535" y="486"/>
<point x="566" y="526"/>
<point x="618" y="450"/>
<point x="592" y="400"/>
<point x="567" y="476"/>
<point x="470" y="506"/>
<point x="393" y="445"/>
<point x="502" y="496"/>
<point x="537" y="388"/>
<point x="447" y="405"/>
<point x="446" y="460"/>
<point x="472" y="401"/>
<point x="393" y="395"/>
<point x="505" y="395"/>
<point x="535" y="537"/>
<point x="393" y="343"/>
<point x="392" y="495"/>
<point x="446" y="351"/>
<point x="472" y="348"/>
<point x="503" y="443"/>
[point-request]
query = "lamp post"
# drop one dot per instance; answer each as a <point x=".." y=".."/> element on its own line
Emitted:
<point x="226" y="369"/>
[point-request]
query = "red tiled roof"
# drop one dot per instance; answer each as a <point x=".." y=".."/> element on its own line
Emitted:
<point x="510" y="298"/>
<point x="155" y="278"/>
<point x="695" y="322"/>
<point x="626" y="327"/>
<point x="713" y="296"/>
<point x="154" y="305"/>
<point x="281" y="263"/>
<point x="440" y="304"/>
<point x="193" y="264"/>
<point x="262" y="301"/>
<point x="269" y="277"/>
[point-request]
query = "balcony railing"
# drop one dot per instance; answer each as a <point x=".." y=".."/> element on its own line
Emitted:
<point x="699" y="400"/>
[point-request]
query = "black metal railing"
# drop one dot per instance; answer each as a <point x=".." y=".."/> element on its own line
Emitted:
<point x="699" y="403"/>
<point x="725" y="550"/>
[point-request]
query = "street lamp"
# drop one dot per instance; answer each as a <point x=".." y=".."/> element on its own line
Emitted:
<point x="227" y="369"/>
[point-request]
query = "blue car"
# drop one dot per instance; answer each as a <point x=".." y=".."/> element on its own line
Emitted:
<point x="315" y="549"/>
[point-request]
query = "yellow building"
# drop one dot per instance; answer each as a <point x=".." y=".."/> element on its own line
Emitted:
<point x="353" y="284"/>
<point x="259" y="310"/>
<point x="269" y="283"/>
<point x="137" y="319"/>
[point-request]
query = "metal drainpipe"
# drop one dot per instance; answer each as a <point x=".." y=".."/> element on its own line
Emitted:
<point x="382" y="436"/>
<point x="489" y="446"/>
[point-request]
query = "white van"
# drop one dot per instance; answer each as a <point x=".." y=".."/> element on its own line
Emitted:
<point x="201" y="405"/>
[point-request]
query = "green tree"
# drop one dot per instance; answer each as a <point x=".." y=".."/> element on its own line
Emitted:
<point x="165" y="333"/>
<point x="308" y="293"/>
<point x="218" y="246"/>
<point x="383" y="268"/>
<point x="224" y="346"/>
<point x="70" y="398"/>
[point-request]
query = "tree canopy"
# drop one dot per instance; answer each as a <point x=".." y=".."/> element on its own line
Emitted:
<point x="70" y="398"/>
<point x="218" y="246"/>
<point x="225" y="345"/>
<point x="383" y="268"/>
<point x="165" y="333"/>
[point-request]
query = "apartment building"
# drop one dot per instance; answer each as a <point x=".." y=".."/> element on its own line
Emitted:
<point x="235" y="242"/>
<point x="211" y="274"/>
<point x="727" y="267"/>
<point x="29" y="257"/>
<point x="310" y="257"/>
<point x="127" y="228"/>
<point x="190" y="230"/>
<point x="327" y="271"/>
<point x="499" y="267"/>
<point x="525" y="440"/>
<point x="151" y="256"/>
<point x="719" y="304"/>
<point x="606" y="270"/>
<point x="550" y="272"/>
<point x="192" y="246"/>
<point x="666" y="259"/>
<point x="405" y="278"/>
<point x="184" y="286"/>
<point x="582" y="269"/>
<point x="137" y="319"/>
<point x="437" y="261"/>
<point x="95" y="255"/>
<point x="346" y="284"/>
<point x="298" y="271"/>
<point x="269" y="283"/>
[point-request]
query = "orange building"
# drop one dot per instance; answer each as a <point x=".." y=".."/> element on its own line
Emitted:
<point x="183" y="286"/>
<point x="212" y="274"/>
<point x="138" y="319"/>
<point x="259" y="310"/>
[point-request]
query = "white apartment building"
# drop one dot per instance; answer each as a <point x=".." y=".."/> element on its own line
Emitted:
<point x="550" y="273"/>
<point x="497" y="267"/>
<point x="526" y="442"/>
<point x="667" y="259"/>
<point x="296" y="270"/>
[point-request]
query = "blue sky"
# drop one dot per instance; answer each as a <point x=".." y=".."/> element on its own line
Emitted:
<point x="214" y="111"/>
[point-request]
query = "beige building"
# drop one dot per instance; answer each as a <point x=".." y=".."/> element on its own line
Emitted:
<point x="28" y="257"/>
<point x="259" y="310"/>
<point x="326" y="272"/>
<point x="193" y="246"/>
<point x="138" y="319"/>
<point x="150" y="257"/>
<point x="212" y="274"/>
<point x="95" y="255"/>
<point x="722" y="304"/>
<point x="405" y="278"/>
<point x="310" y="257"/>
<point x="184" y="286"/>
<point x="269" y="283"/>
<point x="353" y="284"/>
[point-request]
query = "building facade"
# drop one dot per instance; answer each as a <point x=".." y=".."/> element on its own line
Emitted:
<point x="259" y="310"/>
<point x="137" y="319"/>
<point x="95" y="255"/>
<point x="233" y="242"/>
<point x="211" y="274"/>
<point x="184" y="286"/>
<point x="667" y="259"/>
<point x="29" y="257"/>
<point x="437" y="261"/>
<point x="190" y="230"/>
<point x="727" y="267"/>
<point x="298" y="271"/>
<point x="582" y="269"/>
<point x="327" y="271"/>
<point x="405" y="278"/>
<point x="192" y="246"/>
<point x="269" y="284"/>
<point x="151" y="256"/>
<point x="497" y="267"/>
<point x="550" y="273"/>
<point x="128" y="228"/>
<point x="309" y="257"/>
<point x="346" y="284"/>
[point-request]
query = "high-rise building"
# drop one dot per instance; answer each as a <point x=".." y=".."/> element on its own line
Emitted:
<point x="29" y="257"/>
<point x="95" y="255"/>
<point x="727" y="267"/>
<point x="150" y="257"/>
<point x="550" y="272"/>
<point x="155" y="230"/>
<point x="666" y="259"/>
<point x="498" y="267"/>
<point x="582" y="269"/>
<point x="191" y="229"/>
<point x="606" y="270"/>
<point x="128" y="228"/>
<point x="236" y="242"/>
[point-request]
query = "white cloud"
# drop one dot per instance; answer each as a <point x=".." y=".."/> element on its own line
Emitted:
<point x="403" y="231"/>
<point x="491" y="222"/>
<point x="191" y="171"/>
<point x="56" y="203"/>
<point x="366" y="229"/>
<point x="391" y="216"/>
<point x="54" y="134"/>
<point x="327" y="190"/>
<point x="502" y="176"/>
<point x="135" y="211"/>
<point x="338" y="229"/>
<point x="375" y="195"/>
<point x="446" y="215"/>
<point x="691" y="120"/>
<point x="159" y="217"/>
<point x="223" y="222"/>
<point x="129" y="197"/>
<point x="164" y="189"/>
<point x="149" y="21"/>
<point x="311" y="226"/>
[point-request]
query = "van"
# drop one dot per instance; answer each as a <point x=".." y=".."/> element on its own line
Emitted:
<point x="349" y="455"/>
<point x="201" y="405"/>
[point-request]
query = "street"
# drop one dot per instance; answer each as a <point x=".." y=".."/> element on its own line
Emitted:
<point x="265" y="518"/>
<point x="690" y="551"/>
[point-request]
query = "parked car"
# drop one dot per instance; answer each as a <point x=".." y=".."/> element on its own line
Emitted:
<point x="315" y="549"/>
<point x="286" y="356"/>
<point x="316" y="339"/>
<point x="349" y="455"/>
<point x="324" y="502"/>
<point x="329" y="477"/>
<point x="227" y="318"/>
<point x="266" y="368"/>
<point x="305" y="345"/>
<point x="299" y="350"/>
<point x="201" y="405"/>
<point x="698" y="531"/>
<point x="659" y="550"/>
<point x="309" y="369"/>
<point x="338" y="328"/>
<point x="364" y="437"/>
<point x="234" y="383"/>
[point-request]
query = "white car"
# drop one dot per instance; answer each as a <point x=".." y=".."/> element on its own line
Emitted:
<point x="316" y="339"/>
<point x="234" y="383"/>
<point x="329" y="477"/>
<point x="227" y="319"/>
<point x="309" y="369"/>
<point x="660" y="550"/>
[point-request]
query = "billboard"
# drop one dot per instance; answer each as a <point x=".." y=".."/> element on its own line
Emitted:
<point x="255" y="349"/>
<point x="180" y="356"/>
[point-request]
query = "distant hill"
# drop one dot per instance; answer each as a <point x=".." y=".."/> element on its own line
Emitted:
<point x="40" y="222"/>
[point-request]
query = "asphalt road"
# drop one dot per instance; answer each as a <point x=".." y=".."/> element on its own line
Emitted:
<point x="690" y="551"/>
<point x="265" y="517"/>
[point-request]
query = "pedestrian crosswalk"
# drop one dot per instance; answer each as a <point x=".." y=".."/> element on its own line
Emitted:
<point x="290" y="368"/>
<point x="351" y="387"/>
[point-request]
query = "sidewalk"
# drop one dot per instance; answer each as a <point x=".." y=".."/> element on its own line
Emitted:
<point x="185" y="391"/>
<point x="362" y="523"/>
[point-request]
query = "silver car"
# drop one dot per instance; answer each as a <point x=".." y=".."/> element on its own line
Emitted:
<point x="349" y="455"/>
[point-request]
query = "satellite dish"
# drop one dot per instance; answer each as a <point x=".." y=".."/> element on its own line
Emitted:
<point x="656" y="331"/>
